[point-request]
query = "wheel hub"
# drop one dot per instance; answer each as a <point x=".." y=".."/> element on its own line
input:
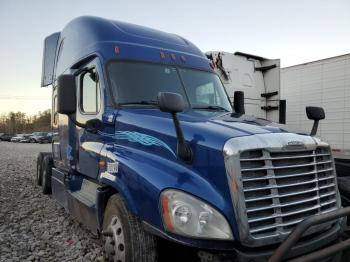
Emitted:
<point x="114" y="241"/>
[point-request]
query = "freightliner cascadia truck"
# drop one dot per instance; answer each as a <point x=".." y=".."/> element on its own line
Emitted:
<point x="150" y="155"/>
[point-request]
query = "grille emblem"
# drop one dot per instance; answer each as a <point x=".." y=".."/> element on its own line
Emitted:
<point x="295" y="144"/>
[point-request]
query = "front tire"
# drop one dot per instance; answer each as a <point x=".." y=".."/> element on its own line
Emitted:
<point x="124" y="238"/>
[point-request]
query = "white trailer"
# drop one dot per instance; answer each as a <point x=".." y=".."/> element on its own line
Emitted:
<point x="257" y="77"/>
<point x="324" y="83"/>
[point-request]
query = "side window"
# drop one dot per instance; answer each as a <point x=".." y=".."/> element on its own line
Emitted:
<point x="89" y="93"/>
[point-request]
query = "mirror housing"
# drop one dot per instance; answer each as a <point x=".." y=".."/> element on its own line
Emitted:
<point x="66" y="94"/>
<point x="173" y="103"/>
<point x="93" y="125"/>
<point x="238" y="102"/>
<point x="170" y="102"/>
<point x="316" y="114"/>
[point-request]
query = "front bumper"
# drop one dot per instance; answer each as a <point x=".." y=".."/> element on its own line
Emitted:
<point x="317" y="246"/>
<point x="264" y="253"/>
<point x="326" y="247"/>
<point x="298" y="231"/>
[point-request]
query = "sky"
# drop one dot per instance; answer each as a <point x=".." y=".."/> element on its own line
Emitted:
<point x="296" y="31"/>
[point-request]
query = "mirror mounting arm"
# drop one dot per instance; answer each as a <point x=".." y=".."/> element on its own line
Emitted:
<point x="314" y="128"/>
<point x="75" y="122"/>
<point x="173" y="103"/>
<point x="183" y="149"/>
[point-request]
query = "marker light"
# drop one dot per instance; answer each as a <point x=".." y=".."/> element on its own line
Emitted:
<point x="186" y="215"/>
<point x="101" y="163"/>
<point x="117" y="49"/>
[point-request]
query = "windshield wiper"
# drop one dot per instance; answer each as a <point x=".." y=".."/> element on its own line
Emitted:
<point x="211" y="107"/>
<point x="154" y="103"/>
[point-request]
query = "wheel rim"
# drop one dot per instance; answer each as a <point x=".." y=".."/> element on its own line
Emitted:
<point x="114" y="241"/>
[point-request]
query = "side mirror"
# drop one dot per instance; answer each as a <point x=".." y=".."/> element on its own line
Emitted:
<point x="316" y="114"/>
<point x="238" y="102"/>
<point x="173" y="103"/>
<point x="170" y="102"/>
<point x="66" y="94"/>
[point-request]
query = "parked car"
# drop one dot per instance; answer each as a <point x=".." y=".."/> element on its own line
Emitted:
<point x="17" y="138"/>
<point x="34" y="138"/>
<point x="44" y="139"/>
<point x="25" y="139"/>
<point x="6" y="137"/>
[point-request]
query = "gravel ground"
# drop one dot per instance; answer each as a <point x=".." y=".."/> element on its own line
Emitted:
<point x="32" y="226"/>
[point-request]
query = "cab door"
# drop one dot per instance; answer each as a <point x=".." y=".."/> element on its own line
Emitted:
<point x="90" y="105"/>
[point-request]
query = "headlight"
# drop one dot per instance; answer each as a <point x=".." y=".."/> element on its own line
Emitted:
<point x="186" y="215"/>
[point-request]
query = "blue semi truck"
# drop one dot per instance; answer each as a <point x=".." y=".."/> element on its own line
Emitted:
<point x="149" y="153"/>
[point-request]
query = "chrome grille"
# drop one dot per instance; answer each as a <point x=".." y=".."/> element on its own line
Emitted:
<point x="281" y="188"/>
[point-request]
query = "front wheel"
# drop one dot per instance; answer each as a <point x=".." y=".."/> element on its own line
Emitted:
<point x="124" y="238"/>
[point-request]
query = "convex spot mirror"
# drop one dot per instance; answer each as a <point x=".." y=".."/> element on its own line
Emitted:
<point x="238" y="102"/>
<point x="171" y="102"/>
<point x="66" y="94"/>
<point x="315" y="113"/>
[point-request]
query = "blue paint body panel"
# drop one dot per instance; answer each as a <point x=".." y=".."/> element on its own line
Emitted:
<point x="141" y="140"/>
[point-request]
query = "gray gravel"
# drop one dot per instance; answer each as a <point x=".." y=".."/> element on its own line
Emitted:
<point x="32" y="226"/>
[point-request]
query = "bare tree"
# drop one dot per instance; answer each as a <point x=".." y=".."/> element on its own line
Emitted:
<point x="19" y="122"/>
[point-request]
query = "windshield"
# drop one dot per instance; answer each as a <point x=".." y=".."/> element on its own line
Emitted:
<point x="140" y="83"/>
